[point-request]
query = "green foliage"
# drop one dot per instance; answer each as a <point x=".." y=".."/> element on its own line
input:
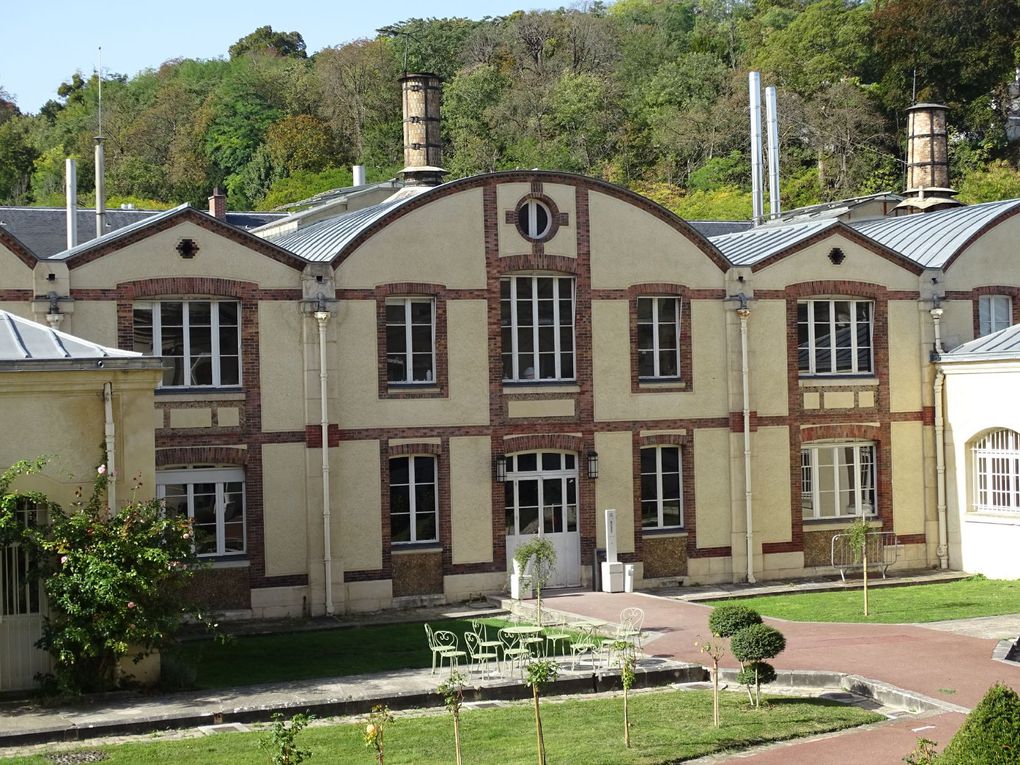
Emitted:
<point x="452" y="691"/>
<point x="540" y="673"/>
<point x="857" y="537"/>
<point x="991" y="733"/>
<point x="17" y="157"/>
<point x="375" y="731"/>
<point x="115" y="582"/>
<point x="264" y="40"/>
<point x="757" y="642"/>
<point x="924" y="753"/>
<point x="537" y="557"/>
<point x="998" y="180"/>
<point x="756" y="673"/>
<point x="281" y="741"/>
<point x="728" y="619"/>
<point x="724" y="203"/>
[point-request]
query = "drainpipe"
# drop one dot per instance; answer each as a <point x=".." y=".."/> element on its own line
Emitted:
<point x="743" y="312"/>
<point x="940" y="443"/>
<point x="322" y="318"/>
<point x="111" y="458"/>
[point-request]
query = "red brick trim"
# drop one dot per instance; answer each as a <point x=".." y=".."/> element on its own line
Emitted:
<point x="511" y="264"/>
<point x="556" y="218"/>
<point x="16" y="296"/>
<point x="440" y="387"/>
<point x="690" y="515"/>
<point x="685" y="382"/>
<point x="737" y="421"/>
<point x="490" y="180"/>
<point x="401" y="450"/>
<point x="911" y="539"/>
<point x="842" y="230"/>
<point x="975" y="297"/>
<point x="709" y="552"/>
<point x="217" y="455"/>
<point x="313" y="436"/>
<point x="201" y="219"/>
<point x="514" y="444"/>
<point x="19" y="249"/>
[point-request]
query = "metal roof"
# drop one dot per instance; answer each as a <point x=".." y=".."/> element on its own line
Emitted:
<point x="321" y="241"/>
<point x="710" y="228"/>
<point x="755" y="245"/>
<point x="120" y="232"/>
<point x="932" y="239"/>
<point x="1004" y="344"/>
<point x="835" y="208"/>
<point x="21" y="339"/>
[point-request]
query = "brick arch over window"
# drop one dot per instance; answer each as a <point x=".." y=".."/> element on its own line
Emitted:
<point x="197" y="455"/>
<point x="548" y="441"/>
<point x="439" y="294"/>
<point x="524" y="263"/>
<point x="1013" y="293"/>
<point x="686" y="355"/>
<point x="556" y="219"/>
<point x="405" y="450"/>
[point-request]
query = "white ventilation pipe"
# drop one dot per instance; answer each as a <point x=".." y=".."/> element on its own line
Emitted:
<point x="322" y="318"/>
<point x="940" y="446"/>
<point x="71" y="175"/>
<point x="754" y="89"/>
<point x="111" y="442"/>
<point x="359" y="175"/>
<point x="772" y="123"/>
<point x="744" y="313"/>
<point x="100" y="187"/>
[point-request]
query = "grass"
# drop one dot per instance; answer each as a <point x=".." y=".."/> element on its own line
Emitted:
<point x="667" y="727"/>
<point x="966" y="598"/>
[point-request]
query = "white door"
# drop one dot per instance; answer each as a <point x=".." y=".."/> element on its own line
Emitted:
<point x="21" y="607"/>
<point x="541" y="500"/>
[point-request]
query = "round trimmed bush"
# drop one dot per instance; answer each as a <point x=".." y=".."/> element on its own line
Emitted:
<point x="757" y="643"/>
<point x="727" y="620"/>
<point x="991" y="733"/>
<point x="766" y="673"/>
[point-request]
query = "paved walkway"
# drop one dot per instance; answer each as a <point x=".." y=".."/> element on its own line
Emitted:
<point x="944" y="665"/>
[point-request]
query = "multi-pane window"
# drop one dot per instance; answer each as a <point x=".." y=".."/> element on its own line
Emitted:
<point x="997" y="472"/>
<point x="534" y="219"/>
<point x="413" y="499"/>
<point x="410" y="340"/>
<point x="214" y="500"/>
<point x="540" y="493"/>
<point x="658" y="337"/>
<point x="661" y="494"/>
<point x="838" y="480"/>
<point x="995" y="312"/>
<point x="199" y="340"/>
<point x="19" y="589"/>
<point x="537" y="321"/>
<point x="835" y="337"/>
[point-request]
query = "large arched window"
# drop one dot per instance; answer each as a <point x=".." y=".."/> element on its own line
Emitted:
<point x="997" y="472"/>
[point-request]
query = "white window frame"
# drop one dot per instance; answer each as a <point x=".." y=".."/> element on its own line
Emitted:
<point x="155" y="309"/>
<point x="855" y="368"/>
<point x="658" y="487"/>
<point x="20" y="593"/>
<point x="566" y="473"/>
<point x="811" y="483"/>
<point x="408" y="353"/>
<point x="530" y="209"/>
<point x="997" y="472"/>
<point x="218" y="476"/>
<point x="657" y="350"/>
<point x="414" y="510"/>
<point x="995" y="312"/>
<point x="515" y="373"/>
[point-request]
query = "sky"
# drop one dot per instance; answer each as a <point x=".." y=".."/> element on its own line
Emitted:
<point x="46" y="41"/>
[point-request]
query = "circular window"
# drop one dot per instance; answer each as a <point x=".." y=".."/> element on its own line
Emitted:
<point x="534" y="219"/>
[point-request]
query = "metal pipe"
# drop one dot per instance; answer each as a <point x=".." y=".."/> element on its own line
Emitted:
<point x="322" y="318"/>
<point x="744" y="313"/>
<point x="940" y="447"/>
<point x="772" y="122"/>
<point x="100" y="187"/>
<point x="754" y="90"/>
<point x="71" y="175"/>
<point x="111" y="453"/>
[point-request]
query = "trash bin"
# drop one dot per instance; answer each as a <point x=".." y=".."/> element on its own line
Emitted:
<point x="628" y="577"/>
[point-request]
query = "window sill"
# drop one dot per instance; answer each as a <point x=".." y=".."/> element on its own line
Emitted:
<point x="1000" y="518"/>
<point x="818" y="381"/>
<point x="652" y="385"/>
<point x="842" y="521"/>
<point x="234" y="560"/>
<point x="233" y="393"/>
<point x="540" y="386"/>
<point x="398" y="548"/>
<point x="670" y="531"/>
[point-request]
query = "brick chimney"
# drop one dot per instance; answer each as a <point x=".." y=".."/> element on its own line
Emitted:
<point x="422" y="94"/>
<point x="218" y="204"/>
<point x="928" y="187"/>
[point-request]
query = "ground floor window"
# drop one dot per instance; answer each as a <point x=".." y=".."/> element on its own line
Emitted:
<point x="661" y="493"/>
<point x="19" y="590"/>
<point x="214" y="500"/>
<point x="838" y="480"/>
<point x="997" y="472"/>
<point x="413" y="499"/>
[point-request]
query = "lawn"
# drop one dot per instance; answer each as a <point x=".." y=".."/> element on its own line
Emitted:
<point x="666" y="727"/>
<point x="961" y="599"/>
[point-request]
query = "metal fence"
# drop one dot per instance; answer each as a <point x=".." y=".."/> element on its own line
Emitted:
<point x="882" y="546"/>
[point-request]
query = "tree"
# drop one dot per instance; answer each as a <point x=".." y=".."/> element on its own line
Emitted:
<point x="265" y="41"/>
<point x="8" y="108"/>
<point x="452" y="691"/>
<point x="627" y="678"/>
<point x="752" y="646"/>
<point x="378" y="720"/>
<point x="281" y="743"/>
<point x="991" y="733"/>
<point x="538" y="557"/>
<point x="17" y="157"/>
<point x="300" y="142"/>
<point x="857" y="540"/>
<point x="539" y="674"/>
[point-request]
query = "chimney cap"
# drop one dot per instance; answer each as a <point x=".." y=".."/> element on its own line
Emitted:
<point x="418" y="76"/>
<point x="927" y="105"/>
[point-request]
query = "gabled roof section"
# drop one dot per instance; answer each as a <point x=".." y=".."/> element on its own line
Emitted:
<point x="332" y="240"/>
<point x="935" y="239"/>
<point x="1001" y="345"/>
<point x="15" y="245"/>
<point x="142" y="229"/>
<point x="21" y="339"/>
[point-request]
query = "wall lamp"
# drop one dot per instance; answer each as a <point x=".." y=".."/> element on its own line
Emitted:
<point x="593" y="464"/>
<point x="499" y="467"/>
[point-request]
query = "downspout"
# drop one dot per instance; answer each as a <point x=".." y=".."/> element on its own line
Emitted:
<point x="111" y="457"/>
<point x="322" y="318"/>
<point x="940" y="443"/>
<point x="744" y="313"/>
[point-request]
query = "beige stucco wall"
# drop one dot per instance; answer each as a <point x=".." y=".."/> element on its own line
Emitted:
<point x="631" y="246"/>
<point x="615" y="489"/>
<point x="470" y="500"/>
<point x="93" y="320"/>
<point x="989" y="260"/>
<point x="812" y="264"/>
<point x="14" y="273"/>
<point x="355" y="496"/>
<point x="156" y="256"/>
<point x="284" y="509"/>
<point x="770" y="484"/>
<point x="712" y="465"/>
<point x="905" y="356"/>
<point x="767" y="359"/>
<point x="282" y="327"/>
<point x="908" y="477"/>
<point x="440" y="243"/>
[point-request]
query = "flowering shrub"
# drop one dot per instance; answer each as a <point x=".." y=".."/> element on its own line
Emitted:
<point x="114" y="581"/>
